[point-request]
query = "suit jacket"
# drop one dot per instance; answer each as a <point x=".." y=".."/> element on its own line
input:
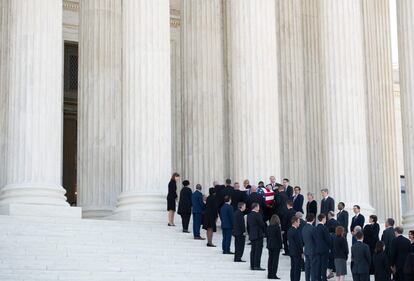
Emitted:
<point x="361" y="258"/>
<point x="197" y="202"/>
<point x="256" y="198"/>
<point x="287" y="219"/>
<point x="184" y="204"/>
<point x="226" y="216"/>
<point x="312" y="207"/>
<point x="236" y="197"/>
<point x="274" y="237"/>
<point x="400" y="248"/>
<point x="340" y="248"/>
<point x="331" y="225"/>
<point x="357" y="220"/>
<point x="371" y="235"/>
<point x="280" y="203"/>
<point x="298" y="203"/>
<point x="255" y="226"/>
<point x="381" y="265"/>
<point x="343" y="219"/>
<point x="307" y="231"/>
<point x="321" y="240"/>
<point x="239" y="227"/>
<point x="387" y="236"/>
<point x="289" y="191"/>
<point x="327" y="205"/>
<point x="295" y="242"/>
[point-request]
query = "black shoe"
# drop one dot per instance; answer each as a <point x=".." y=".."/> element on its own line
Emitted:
<point x="228" y="253"/>
<point x="239" y="261"/>
<point x="186" y="231"/>
<point x="199" y="238"/>
<point x="259" y="268"/>
<point x="211" y="245"/>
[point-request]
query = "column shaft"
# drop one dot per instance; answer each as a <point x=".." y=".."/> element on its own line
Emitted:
<point x="252" y="89"/>
<point x="99" y="115"/>
<point x="405" y="10"/>
<point x="203" y="91"/>
<point x="383" y="179"/>
<point x="33" y="131"/>
<point x="146" y="128"/>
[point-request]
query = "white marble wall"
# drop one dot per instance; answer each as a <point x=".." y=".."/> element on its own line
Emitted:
<point x="252" y="89"/>
<point x="203" y="95"/>
<point x="382" y="154"/>
<point x="291" y="92"/>
<point x="99" y="106"/>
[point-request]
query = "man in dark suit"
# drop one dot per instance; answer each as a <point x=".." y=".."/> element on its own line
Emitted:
<point x="322" y="242"/>
<point x="280" y="205"/>
<point x="358" y="219"/>
<point x="295" y="249"/>
<point x="226" y="217"/>
<point x="286" y="224"/>
<point x="343" y="217"/>
<point x="198" y="210"/>
<point x="237" y="196"/>
<point x="256" y="229"/>
<point x="273" y="185"/>
<point x="184" y="205"/>
<point x="255" y="197"/>
<point x="388" y="235"/>
<point x="400" y="248"/>
<point x="288" y="189"/>
<point x="361" y="258"/>
<point x="226" y="190"/>
<point x="327" y="202"/>
<point x="331" y="223"/>
<point x="297" y="200"/>
<point x="239" y="229"/>
<point x="308" y="242"/>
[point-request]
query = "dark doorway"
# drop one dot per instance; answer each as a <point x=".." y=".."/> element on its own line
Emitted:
<point x="70" y="121"/>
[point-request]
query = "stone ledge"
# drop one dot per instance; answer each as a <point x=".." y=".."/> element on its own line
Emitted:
<point x="40" y="210"/>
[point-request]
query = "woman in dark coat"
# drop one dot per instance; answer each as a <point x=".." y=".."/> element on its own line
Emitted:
<point x="311" y="206"/>
<point x="409" y="262"/>
<point x="381" y="263"/>
<point x="274" y="244"/>
<point x="341" y="252"/>
<point x="371" y="236"/>
<point x="172" y="197"/>
<point x="184" y="205"/>
<point x="210" y="216"/>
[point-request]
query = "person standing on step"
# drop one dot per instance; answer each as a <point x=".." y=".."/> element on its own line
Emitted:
<point x="274" y="245"/>
<point x="400" y="248"/>
<point x="298" y="200"/>
<point x="322" y="241"/>
<point x="210" y="216"/>
<point x="361" y="257"/>
<point x="226" y="217"/>
<point x="357" y="220"/>
<point x="172" y="197"/>
<point x="286" y="224"/>
<point x="343" y="217"/>
<point x="198" y="210"/>
<point x="237" y="196"/>
<point x="309" y="245"/>
<point x="388" y="235"/>
<point x="295" y="249"/>
<point x="288" y="189"/>
<point x="239" y="230"/>
<point x="256" y="228"/>
<point x="327" y="202"/>
<point x="311" y="205"/>
<point x="184" y="205"/>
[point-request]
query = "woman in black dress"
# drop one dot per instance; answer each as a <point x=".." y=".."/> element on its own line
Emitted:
<point x="381" y="263"/>
<point x="311" y="206"/>
<point x="274" y="244"/>
<point x="210" y="216"/>
<point x="371" y="236"/>
<point x="341" y="252"/>
<point x="172" y="198"/>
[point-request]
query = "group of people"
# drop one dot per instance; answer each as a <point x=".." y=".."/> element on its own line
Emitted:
<point x="317" y="245"/>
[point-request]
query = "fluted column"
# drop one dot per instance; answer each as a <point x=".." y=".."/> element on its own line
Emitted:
<point x="291" y="92"/>
<point x="405" y="11"/>
<point x="252" y="89"/>
<point x="383" y="174"/>
<point x="33" y="133"/>
<point x="146" y="129"/>
<point x="203" y="91"/>
<point x="339" y="110"/>
<point x="99" y="115"/>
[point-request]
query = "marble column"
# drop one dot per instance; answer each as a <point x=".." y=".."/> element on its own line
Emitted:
<point x="203" y="91"/>
<point x="339" y="109"/>
<point x="146" y="104"/>
<point x="99" y="110"/>
<point x="405" y="10"/>
<point x="252" y="90"/>
<point x="383" y="174"/>
<point x="33" y="132"/>
<point x="291" y="92"/>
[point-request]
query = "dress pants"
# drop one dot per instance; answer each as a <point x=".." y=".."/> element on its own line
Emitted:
<point x="226" y="240"/>
<point x="197" y="224"/>
<point x="285" y="242"/>
<point x="320" y="266"/>
<point x="360" y="277"/>
<point x="295" y="268"/>
<point x="256" y="253"/>
<point x="185" y="219"/>
<point x="273" y="263"/>
<point x="239" y="243"/>
<point x="308" y="268"/>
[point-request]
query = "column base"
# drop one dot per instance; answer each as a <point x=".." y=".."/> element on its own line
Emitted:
<point x="408" y="221"/>
<point x="96" y="213"/>
<point x="37" y="194"/>
<point x="132" y="206"/>
<point x="33" y="210"/>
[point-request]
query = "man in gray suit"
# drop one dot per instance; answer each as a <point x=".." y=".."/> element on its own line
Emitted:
<point x="307" y="230"/>
<point x="361" y="259"/>
<point x="388" y="235"/>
